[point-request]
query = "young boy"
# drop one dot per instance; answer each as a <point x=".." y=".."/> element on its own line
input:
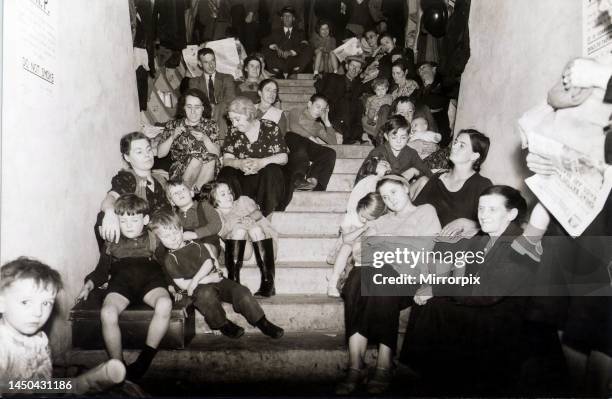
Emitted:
<point x="27" y="293"/>
<point x="200" y="219"/>
<point x="193" y="269"/>
<point x="395" y="157"/>
<point x="134" y="277"/>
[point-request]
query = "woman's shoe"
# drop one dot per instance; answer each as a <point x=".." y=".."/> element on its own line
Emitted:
<point x="380" y="381"/>
<point x="351" y="381"/>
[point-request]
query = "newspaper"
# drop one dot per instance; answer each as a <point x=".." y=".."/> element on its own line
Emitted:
<point x="574" y="140"/>
<point x="349" y="48"/>
<point x="226" y="55"/>
<point x="190" y="55"/>
<point x="596" y="30"/>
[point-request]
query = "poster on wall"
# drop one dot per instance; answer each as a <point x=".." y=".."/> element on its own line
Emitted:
<point x="596" y="30"/>
<point x="35" y="42"/>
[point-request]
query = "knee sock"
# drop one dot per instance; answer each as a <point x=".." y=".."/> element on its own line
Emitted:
<point x="137" y="369"/>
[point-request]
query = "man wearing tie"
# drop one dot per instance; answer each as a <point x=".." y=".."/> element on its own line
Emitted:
<point x="286" y="49"/>
<point x="219" y="87"/>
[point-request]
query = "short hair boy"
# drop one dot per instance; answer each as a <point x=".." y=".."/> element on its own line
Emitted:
<point x="135" y="276"/>
<point x="27" y="293"/>
<point x="193" y="269"/>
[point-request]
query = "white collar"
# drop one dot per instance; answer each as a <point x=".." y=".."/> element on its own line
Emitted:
<point x="207" y="76"/>
<point x="287" y="29"/>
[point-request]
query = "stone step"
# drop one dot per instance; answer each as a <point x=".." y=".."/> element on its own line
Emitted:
<point x="351" y="150"/>
<point x="347" y="165"/>
<point x="307" y="222"/>
<point x="306" y="278"/>
<point x="297" y="357"/>
<point x="294" y="97"/>
<point x="295" y="82"/>
<point x="302" y="248"/>
<point x="211" y="358"/>
<point x="310" y="90"/>
<point x="289" y="105"/>
<point x="293" y="313"/>
<point x="318" y="201"/>
<point x="341" y="182"/>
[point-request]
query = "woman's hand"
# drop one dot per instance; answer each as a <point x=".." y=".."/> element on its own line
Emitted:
<point x="382" y="168"/>
<point x="199" y="135"/>
<point x="540" y="164"/>
<point x="325" y="117"/>
<point x="254" y="165"/>
<point x="178" y="131"/>
<point x="460" y="227"/>
<point x="110" y="227"/>
<point x="247" y="221"/>
<point x="423" y="294"/>
<point x="87" y="288"/>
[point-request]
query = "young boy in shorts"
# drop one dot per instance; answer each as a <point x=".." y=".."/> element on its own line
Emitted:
<point x="193" y="269"/>
<point x="135" y="276"/>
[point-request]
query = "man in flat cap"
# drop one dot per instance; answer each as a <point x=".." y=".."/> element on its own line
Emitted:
<point x="286" y="50"/>
<point x="345" y="99"/>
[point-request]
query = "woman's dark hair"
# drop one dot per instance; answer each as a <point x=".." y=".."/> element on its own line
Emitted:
<point x="322" y="22"/>
<point x="393" y="123"/>
<point x="264" y="83"/>
<point x="480" y="145"/>
<point x="513" y="197"/>
<point x="180" y="106"/>
<point x="406" y="67"/>
<point x="246" y="64"/>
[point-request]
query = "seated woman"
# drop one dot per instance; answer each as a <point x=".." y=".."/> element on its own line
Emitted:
<point x="266" y="108"/>
<point x="310" y="163"/>
<point x="192" y="139"/>
<point x="375" y="319"/>
<point x="253" y="153"/>
<point x="323" y="44"/>
<point x="252" y="77"/>
<point x="394" y="155"/>
<point x="404" y="84"/>
<point x="455" y="193"/>
<point x="474" y="335"/>
<point x="390" y="53"/>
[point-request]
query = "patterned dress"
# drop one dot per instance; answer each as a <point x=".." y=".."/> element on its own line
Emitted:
<point x="269" y="142"/>
<point x="186" y="147"/>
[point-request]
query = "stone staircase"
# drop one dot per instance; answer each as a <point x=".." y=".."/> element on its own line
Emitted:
<point x="313" y="348"/>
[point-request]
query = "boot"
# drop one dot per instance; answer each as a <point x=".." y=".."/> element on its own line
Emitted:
<point x="234" y="254"/>
<point x="269" y="329"/>
<point x="231" y="330"/>
<point x="264" y="256"/>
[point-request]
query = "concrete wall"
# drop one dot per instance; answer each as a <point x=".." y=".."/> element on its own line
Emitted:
<point x="518" y="50"/>
<point x="60" y="148"/>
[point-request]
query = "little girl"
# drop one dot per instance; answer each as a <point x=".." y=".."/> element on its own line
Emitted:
<point x="373" y="104"/>
<point x="369" y="208"/>
<point x="323" y="44"/>
<point x="243" y="220"/>
<point x="424" y="141"/>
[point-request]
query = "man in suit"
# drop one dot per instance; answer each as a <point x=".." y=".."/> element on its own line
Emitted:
<point x="286" y="50"/>
<point x="219" y="87"/>
<point x="346" y="106"/>
<point x="213" y="19"/>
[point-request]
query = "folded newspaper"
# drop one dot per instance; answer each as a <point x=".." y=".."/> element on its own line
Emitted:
<point x="350" y="48"/>
<point x="573" y="139"/>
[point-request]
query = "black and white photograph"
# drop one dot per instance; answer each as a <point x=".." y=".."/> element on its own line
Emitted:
<point x="306" y="198"/>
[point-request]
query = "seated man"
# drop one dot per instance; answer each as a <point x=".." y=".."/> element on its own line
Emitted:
<point x="286" y="50"/>
<point x="218" y="87"/>
<point x="309" y="127"/>
<point x="344" y="93"/>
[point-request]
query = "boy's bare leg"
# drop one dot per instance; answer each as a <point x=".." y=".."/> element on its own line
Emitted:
<point x="158" y="299"/>
<point x="206" y="173"/>
<point x="339" y="265"/>
<point x="114" y="304"/>
<point x="190" y="175"/>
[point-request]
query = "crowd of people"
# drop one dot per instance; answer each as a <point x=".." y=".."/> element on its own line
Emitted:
<point x="235" y="157"/>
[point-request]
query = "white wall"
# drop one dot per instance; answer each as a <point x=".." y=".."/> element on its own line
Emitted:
<point x="60" y="150"/>
<point x="518" y="50"/>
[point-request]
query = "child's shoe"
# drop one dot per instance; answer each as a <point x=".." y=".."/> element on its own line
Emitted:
<point x="231" y="330"/>
<point x="524" y="246"/>
<point x="351" y="381"/>
<point x="380" y="382"/>
<point x="269" y="329"/>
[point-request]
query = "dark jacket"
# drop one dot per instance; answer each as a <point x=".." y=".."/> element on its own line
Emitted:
<point x="295" y="42"/>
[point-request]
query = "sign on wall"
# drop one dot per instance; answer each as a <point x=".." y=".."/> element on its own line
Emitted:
<point x="596" y="30"/>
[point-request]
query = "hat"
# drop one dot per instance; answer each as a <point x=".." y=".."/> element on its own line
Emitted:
<point x="357" y="58"/>
<point x="288" y="9"/>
